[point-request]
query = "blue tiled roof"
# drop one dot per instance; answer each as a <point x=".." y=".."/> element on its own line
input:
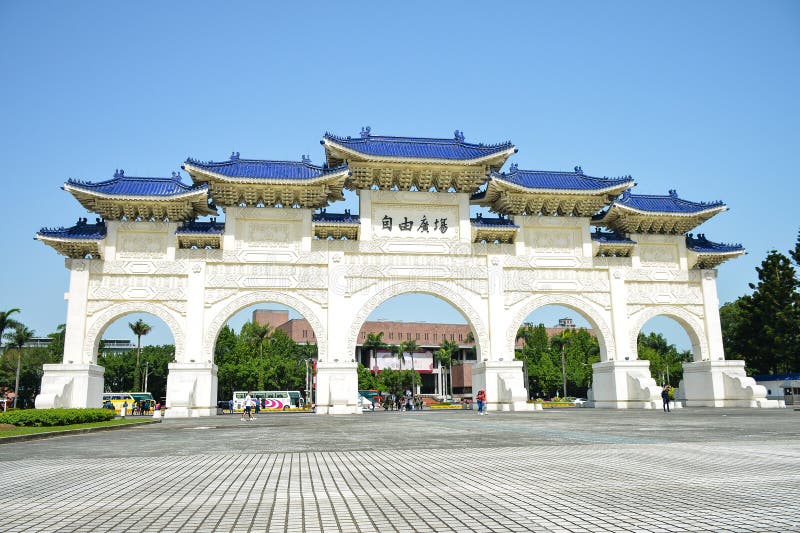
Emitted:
<point x="664" y="204"/>
<point x="493" y="222"/>
<point x="611" y="237"/>
<point x="702" y="245"/>
<point x="777" y="377"/>
<point x="340" y="218"/>
<point x="81" y="230"/>
<point x="211" y="227"/>
<point x="417" y="147"/>
<point x="122" y="185"/>
<point x="543" y="179"/>
<point x="263" y="169"/>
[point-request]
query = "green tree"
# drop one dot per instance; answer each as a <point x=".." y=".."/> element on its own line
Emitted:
<point x="666" y="363"/>
<point x="374" y="342"/>
<point x="446" y="351"/>
<point x="56" y="346"/>
<point x="6" y="322"/>
<point x="366" y="380"/>
<point x="769" y="334"/>
<point x="17" y="340"/>
<point x="139" y="328"/>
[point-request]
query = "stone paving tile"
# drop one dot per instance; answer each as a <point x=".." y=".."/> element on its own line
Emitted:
<point x="563" y="473"/>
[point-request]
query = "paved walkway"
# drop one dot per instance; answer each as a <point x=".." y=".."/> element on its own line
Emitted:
<point x="562" y="471"/>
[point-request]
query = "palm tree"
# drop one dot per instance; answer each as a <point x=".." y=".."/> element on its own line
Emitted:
<point x="7" y="323"/>
<point x="259" y="334"/>
<point x="374" y="343"/>
<point x="18" y="339"/>
<point x="411" y="346"/>
<point x="397" y="352"/>
<point x="139" y="328"/>
<point x="449" y="347"/>
<point x="443" y="358"/>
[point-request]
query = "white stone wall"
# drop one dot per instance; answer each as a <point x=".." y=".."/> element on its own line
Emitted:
<point x="270" y="255"/>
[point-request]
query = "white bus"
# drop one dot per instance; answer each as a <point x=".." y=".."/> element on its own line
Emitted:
<point x="270" y="399"/>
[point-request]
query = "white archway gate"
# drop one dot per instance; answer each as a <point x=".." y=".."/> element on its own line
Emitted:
<point x="413" y="234"/>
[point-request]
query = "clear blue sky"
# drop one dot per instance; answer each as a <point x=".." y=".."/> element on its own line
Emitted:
<point x="695" y="96"/>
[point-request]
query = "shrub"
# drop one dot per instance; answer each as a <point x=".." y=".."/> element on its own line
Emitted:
<point x="55" y="417"/>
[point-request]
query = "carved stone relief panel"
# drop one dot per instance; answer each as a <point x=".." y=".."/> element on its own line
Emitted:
<point x="266" y="276"/>
<point x="658" y="255"/>
<point x="554" y="241"/>
<point x="664" y="293"/>
<point x="110" y="287"/>
<point x="141" y="244"/>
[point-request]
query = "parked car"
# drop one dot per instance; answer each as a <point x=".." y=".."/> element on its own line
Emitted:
<point x="580" y="402"/>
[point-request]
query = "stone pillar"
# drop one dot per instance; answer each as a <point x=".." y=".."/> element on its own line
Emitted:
<point x="191" y="390"/>
<point x="337" y="388"/>
<point x="624" y="385"/>
<point x="722" y="384"/>
<point x="77" y="382"/>
<point x="71" y="385"/>
<point x="502" y="381"/>
<point x="337" y="375"/>
<point x="713" y="327"/>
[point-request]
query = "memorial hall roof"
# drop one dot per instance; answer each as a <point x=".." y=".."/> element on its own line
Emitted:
<point x="647" y="213"/>
<point x="494" y="222"/>
<point x="493" y="229"/>
<point x="610" y="237"/>
<point x="138" y="197"/>
<point x="381" y="147"/>
<point x="335" y="218"/>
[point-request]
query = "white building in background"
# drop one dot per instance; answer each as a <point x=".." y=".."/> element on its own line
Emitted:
<point x="413" y="234"/>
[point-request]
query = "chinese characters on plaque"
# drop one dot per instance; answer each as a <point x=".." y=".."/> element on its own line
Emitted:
<point x="439" y="224"/>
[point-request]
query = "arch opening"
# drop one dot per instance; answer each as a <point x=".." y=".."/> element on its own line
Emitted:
<point x="135" y="348"/>
<point x="558" y="345"/>
<point x="265" y="347"/>
<point x="667" y="342"/>
<point x="417" y="340"/>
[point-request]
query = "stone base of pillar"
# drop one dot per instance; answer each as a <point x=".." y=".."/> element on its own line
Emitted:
<point x="504" y="385"/>
<point x="191" y="390"/>
<point x="70" y="385"/>
<point x="722" y="384"/>
<point x="337" y="389"/>
<point x="624" y="385"/>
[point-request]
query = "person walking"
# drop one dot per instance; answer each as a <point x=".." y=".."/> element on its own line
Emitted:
<point x="247" y="413"/>
<point x="665" y="398"/>
<point x="481" y="399"/>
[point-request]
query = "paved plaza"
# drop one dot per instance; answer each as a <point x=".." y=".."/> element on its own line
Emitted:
<point x="563" y="470"/>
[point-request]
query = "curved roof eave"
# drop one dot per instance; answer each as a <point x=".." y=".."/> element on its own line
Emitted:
<point x="331" y="176"/>
<point x="200" y="191"/>
<point x="584" y="192"/>
<point x="369" y="157"/>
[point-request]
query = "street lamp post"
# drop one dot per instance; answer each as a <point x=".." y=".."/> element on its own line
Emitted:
<point x="563" y="370"/>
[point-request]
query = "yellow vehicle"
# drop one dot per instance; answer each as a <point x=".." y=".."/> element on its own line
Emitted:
<point x="129" y="400"/>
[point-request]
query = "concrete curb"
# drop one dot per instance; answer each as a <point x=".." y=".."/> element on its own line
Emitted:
<point x="50" y="434"/>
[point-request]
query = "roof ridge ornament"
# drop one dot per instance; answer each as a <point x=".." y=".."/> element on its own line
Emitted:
<point x="119" y="173"/>
<point x="459" y="136"/>
<point x="176" y="176"/>
<point x="306" y="159"/>
<point x="626" y="194"/>
<point x="234" y="156"/>
<point x="513" y="168"/>
<point x="673" y="193"/>
<point x="365" y="132"/>
<point x="578" y="170"/>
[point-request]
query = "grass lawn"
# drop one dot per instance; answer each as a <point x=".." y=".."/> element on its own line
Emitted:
<point x="16" y="431"/>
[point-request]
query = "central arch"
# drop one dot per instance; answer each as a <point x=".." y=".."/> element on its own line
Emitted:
<point x="257" y="297"/>
<point x="440" y="290"/>
<point x="590" y="311"/>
